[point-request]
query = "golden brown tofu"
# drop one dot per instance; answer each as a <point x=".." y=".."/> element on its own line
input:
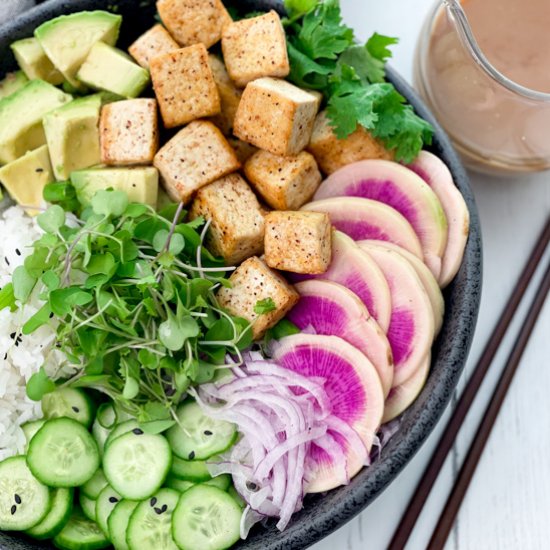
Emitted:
<point x="285" y="183"/>
<point x="298" y="243"/>
<point x="196" y="156"/>
<point x="129" y="132"/>
<point x="194" y="21"/>
<point x="252" y="282"/>
<point x="230" y="95"/>
<point x="332" y="153"/>
<point x="242" y="149"/>
<point x="237" y="224"/>
<point x="276" y="116"/>
<point x="255" y="47"/>
<point x="184" y="86"/>
<point x="155" y="41"/>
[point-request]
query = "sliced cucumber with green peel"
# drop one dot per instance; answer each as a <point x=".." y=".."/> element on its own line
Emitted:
<point x="150" y="526"/>
<point x="136" y="465"/>
<point x="30" y="429"/>
<point x="197" y="436"/>
<point x="121" y="429"/>
<point x="105" y="504"/>
<point x="88" y="506"/>
<point x="71" y="403"/>
<point x="180" y="485"/>
<point x="232" y="492"/>
<point x="206" y="518"/>
<point x="63" y="454"/>
<point x="101" y="435"/>
<point x="118" y="523"/>
<point x="81" y="534"/>
<point x="24" y="501"/>
<point x="190" y="470"/>
<point x="57" y="517"/>
<point x="106" y="415"/>
<point x="223" y="482"/>
<point x="95" y="485"/>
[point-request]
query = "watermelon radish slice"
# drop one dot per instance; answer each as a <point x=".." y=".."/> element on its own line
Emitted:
<point x="355" y="270"/>
<point x="401" y="397"/>
<point x="367" y="219"/>
<point x="332" y="309"/>
<point x="436" y="174"/>
<point x="412" y="328"/>
<point x="426" y="276"/>
<point x="397" y="186"/>
<point x="354" y="391"/>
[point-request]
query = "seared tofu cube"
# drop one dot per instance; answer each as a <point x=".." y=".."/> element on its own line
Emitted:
<point x="129" y="132"/>
<point x="254" y="282"/>
<point x="237" y="224"/>
<point x="196" y="156"/>
<point x="285" y="183"/>
<point x="156" y="41"/>
<point x="242" y="149"/>
<point x="230" y="95"/>
<point x="184" y="85"/>
<point x="255" y="47"/>
<point x="332" y="153"/>
<point x="194" y="21"/>
<point x="276" y="116"/>
<point x="299" y="242"/>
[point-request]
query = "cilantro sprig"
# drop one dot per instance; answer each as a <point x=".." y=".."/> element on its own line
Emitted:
<point x="131" y="293"/>
<point x="324" y="56"/>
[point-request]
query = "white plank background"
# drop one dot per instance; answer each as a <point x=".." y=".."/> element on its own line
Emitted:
<point x="508" y="502"/>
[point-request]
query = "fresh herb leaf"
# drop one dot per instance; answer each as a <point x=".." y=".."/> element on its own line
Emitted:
<point x="7" y="297"/>
<point x="377" y="45"/>
<point x="52" y="219"/>
<point x="264" y="306"/>
<point x="39" y="385"/>
<point x="23" y="283"/>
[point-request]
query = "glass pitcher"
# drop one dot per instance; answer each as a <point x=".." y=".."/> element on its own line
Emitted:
<point x="497" y="125"/>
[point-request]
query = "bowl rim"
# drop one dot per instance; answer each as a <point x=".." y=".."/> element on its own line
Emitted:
<point x="450" y="351"/>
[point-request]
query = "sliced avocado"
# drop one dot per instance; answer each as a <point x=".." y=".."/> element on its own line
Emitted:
<point x="26" y="177"/>
<point x="109" y="69"/>
<point x="34" y="61"/>
<point x="21" y="115"/>
<point x="141" y="184"/>
<point x="68" y="39"/>
<point x="72" y="133"/>
<point x="12" y="83"/>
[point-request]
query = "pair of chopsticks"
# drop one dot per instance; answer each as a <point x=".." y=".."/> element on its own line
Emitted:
<point x="458" y="492"/>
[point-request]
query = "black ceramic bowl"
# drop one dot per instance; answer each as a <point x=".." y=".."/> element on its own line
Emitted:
<point x="323" y="514"/>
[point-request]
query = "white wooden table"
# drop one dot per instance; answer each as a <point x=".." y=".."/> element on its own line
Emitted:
<point x="508" y="503"/>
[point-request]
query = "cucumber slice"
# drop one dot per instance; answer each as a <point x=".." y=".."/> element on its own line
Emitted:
<point x="63" y="454"/>
<point x="101" y="435"/>
<point x="206" y="518"/>
<point x="88" y="506"/>
<point x="203" y="436"/>
<point x="81" y="534"/>
<point x="223" y="482"/>
<point x="180" y="485"/>
<point x="24" y="501"/>
<point x="57" y="517"/>
<point x="71" y="403"/>
<point x="105" y="504"/>
<point x="30" y="429"/>
<point x="118" y="523"/>
<point x="95" y="485"/>
<point x="106" y="415"/>
<point x="136" y="465"/>
<point x="190" y="470"/>
<point x="121" y="429"/>
<point x="150" y="526"/>
<point x="232" y="492"/>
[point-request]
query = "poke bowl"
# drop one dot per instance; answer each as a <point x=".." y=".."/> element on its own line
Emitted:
<point x="324" y="511"/>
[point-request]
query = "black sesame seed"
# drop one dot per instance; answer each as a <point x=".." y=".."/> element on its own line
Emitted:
<point x="51" y="315"/>
<point x="12" y="335"/>
<point x="7" y="261"/>
<point x="39" y="170"/>
<point x="18" y="252"/>
<point x="153" y="501"/>
<point x="6" y="356"/>
<point x="76" y="409"/>
<point x="137" y="431"/>
<point x="192" y="455"/>
<point x="112" y="500"/>
<point x="208" y="432"/>
<point x="13" y="510"/>
<point x="158" y="511"/>
<point x="17" y="499"/>
<point x="164" y="508"/>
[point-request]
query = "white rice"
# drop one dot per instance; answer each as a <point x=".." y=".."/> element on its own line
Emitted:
<point x="20" y="356"/>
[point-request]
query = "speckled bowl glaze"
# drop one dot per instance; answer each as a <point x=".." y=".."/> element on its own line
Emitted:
<point x="323" y="514"/>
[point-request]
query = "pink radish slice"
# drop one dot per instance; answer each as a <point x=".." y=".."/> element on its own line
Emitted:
<point x="426" y="276"/>
<point x="436" y="174"/>
<point x="402" y="189"/>
<point x="332" y="309"/>
<point x="353" y="388"/>
<point x="355" y="270"/>
<point x="367" y="219"/>
<point x="411" y="329"/>
<point x="401" y="397"/>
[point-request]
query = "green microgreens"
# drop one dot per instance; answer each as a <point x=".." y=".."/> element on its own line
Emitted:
<point x="132" y="295"/>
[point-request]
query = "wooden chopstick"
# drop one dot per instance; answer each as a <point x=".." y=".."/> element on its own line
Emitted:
<point x="452" y="506"/>
<point x="417" y="502"/>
